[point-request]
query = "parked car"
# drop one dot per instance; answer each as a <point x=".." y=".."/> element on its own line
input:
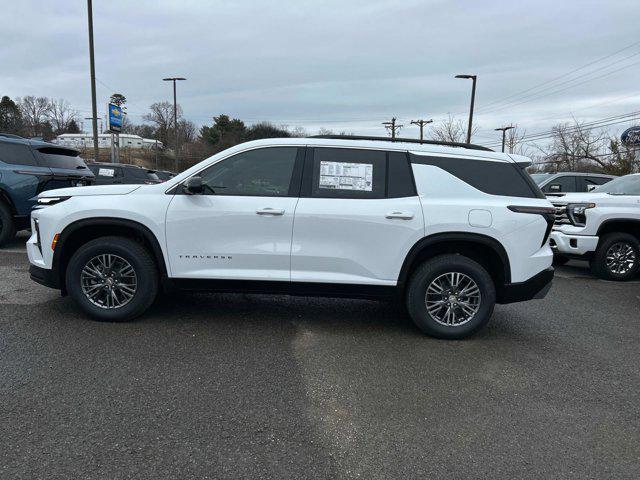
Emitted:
<point x="110" y="173"/>
<point x="559" y="184"/>
<point x="165" y="175"/>
<point x="27" y="168"/>
<point x="603" y="227"/>
<point x="449" y="230"/>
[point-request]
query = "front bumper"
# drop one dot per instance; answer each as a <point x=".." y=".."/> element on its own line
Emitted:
<point x="567" y="244"/>
<point x="535" y="288"/>
<point x="44" y="276"/>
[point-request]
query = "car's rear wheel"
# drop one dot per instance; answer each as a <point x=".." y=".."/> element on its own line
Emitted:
<point x="617" y="257"/>
<point x="450" y="296"/>
<point x="112" y="278"/>
<point x="7" y="226"/>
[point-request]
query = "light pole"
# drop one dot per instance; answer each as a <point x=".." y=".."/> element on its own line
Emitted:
<point x="473" y="100"/>
<point x="92" y="68"/>
<point x="175" y="114"/>
<point x="504" y="132"/>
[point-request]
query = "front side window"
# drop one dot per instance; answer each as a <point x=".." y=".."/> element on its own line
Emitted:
<point x="348" y="173"/>
<point x="561" y="185"/>
<point x="265" y="172"/>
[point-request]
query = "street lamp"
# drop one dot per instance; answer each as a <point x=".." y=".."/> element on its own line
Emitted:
<point x="504" y="131"/>
<point x="473" y="99"/>
<point x="175" y="113"/>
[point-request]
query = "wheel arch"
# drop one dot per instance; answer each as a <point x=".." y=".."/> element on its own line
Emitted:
<point x="6" y="198"/>
<point x="622" y="225"/>
<point x="82" y="231"/>
<point x="484" y="249"/>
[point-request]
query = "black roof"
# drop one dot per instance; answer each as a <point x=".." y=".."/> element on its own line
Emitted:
<point x="470" y="146"/>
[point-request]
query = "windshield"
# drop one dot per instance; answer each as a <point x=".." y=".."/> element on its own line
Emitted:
<point x="627" y="185"/>
<point x="539" y="177"/>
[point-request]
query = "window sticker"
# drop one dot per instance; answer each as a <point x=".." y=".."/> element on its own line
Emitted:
<point x="346" y="176"/>
<point x="106" y="172"/>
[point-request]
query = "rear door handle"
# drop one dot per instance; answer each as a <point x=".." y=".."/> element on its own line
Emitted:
<point x="270" y="211"/>
<point x="400" y="215"/>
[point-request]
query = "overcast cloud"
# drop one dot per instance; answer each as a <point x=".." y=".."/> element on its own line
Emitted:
<point x="343" y="65"/>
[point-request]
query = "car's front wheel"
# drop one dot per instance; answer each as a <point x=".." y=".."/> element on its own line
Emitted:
<point x="450" y="296"/>
<point x="112" y="278"/>
<point x="7" y="227"/>
<point x="617" y="257"/>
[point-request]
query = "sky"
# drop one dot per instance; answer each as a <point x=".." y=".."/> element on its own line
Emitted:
<point x="341" y="65"/>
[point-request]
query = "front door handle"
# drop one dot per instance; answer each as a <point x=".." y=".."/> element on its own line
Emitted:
<point x="270" y="211"/>
<point x="400" y="215"/>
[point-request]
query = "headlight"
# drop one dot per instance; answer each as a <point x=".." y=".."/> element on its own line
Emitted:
<point x="48" y="201"/>
<point x="577" y="213"/>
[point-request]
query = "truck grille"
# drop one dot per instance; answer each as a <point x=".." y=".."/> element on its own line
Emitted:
<point x="561" y="214"/>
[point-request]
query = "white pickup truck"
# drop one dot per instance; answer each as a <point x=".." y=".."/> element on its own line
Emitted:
<point x="602" y="226"/>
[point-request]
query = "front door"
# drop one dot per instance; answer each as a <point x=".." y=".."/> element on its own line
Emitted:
<point x="240" y="228"/>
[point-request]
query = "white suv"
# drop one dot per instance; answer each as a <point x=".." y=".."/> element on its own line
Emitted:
<point x="602" y="226"/>
<point x="450" y="230"/>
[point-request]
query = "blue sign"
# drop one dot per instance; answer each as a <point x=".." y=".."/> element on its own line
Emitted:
<point x="631" y="136"/>
<point x="114" y="118"/>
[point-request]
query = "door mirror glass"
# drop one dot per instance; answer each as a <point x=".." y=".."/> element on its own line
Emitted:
<point x="193" y="186"/>
<point x="591" y="187"/>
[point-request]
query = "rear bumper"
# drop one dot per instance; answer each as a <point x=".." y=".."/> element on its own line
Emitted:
<point x="535" y="288"/>
<point x="44" y="276"/>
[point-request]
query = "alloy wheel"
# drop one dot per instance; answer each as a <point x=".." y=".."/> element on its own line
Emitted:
<point x="453" y="299"/>
<point x="620" y="258"/>
<point x="108" y="281"/>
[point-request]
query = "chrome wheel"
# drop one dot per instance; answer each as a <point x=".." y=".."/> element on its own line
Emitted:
<point x="620" y="258"/>
<point x="108" y="281"/>
<point x="453" y="299"/>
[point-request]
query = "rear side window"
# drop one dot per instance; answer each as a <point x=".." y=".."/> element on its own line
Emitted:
<point x="16" y="154"/>
<point x="349" y="173"/>
<point x="101" y="171"/>
<point x="492" y="177"/>
<point x="60" y="158"/>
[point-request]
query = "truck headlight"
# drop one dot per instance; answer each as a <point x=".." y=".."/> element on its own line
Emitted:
<point x="577" y="213"/>
<point x="48" y="201"/>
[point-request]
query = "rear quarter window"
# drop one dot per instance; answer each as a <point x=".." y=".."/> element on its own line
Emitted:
<point x="492" y="177"/>
<point x="54" y="157"/>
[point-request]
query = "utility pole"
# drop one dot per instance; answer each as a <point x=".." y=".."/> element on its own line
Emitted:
<point x="175" y="115"/>
<point x="92" y="67"/>
<point x="421" y="124"/>
<point x="474" y="78"/>
<point x="504" y="132"/>
<point x="392" y="127"/>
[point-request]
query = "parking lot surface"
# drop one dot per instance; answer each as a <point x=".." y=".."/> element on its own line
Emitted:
<point x="250" y="386"/>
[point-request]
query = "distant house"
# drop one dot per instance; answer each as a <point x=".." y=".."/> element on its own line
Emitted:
<point x="85" y="140"/>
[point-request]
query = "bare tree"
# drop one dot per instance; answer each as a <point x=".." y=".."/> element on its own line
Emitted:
<point x="576" y="148"/>
<point x="60" y="115"/>
<point x="515" y="141"/>
<point x="35" y="111"/>
<point x="161" y="115"/>
<point x="187" y="131"/>
<point x="451" y="130"/>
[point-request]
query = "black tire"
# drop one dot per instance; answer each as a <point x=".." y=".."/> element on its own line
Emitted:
<point x="608" y="243"/>
<point x="7" y="226"/>
<point x="559" y="260"/>
<point x="139" y="259"/>
<point x="433" y="269"/>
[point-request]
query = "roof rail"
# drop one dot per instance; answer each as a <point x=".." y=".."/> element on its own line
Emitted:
<point x="10" y="135"/>
<point x="469" y="146"/>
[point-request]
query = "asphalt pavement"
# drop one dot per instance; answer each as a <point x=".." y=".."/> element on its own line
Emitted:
<point x="252" y="386"/>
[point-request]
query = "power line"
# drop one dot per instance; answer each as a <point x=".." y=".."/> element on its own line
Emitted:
<point x="547" y="82"/>
<point x="421" y="124"/>
<point x="393" y="127"/>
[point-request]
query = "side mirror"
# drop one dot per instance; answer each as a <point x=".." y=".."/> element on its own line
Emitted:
<point x="554" y="187"/>
<point x="591" y="187"/>
<point x="194" y="186"/>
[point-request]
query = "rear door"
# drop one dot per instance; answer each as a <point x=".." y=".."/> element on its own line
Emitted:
<point x="21" y="175"/>
<point x="357" y="218"/>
